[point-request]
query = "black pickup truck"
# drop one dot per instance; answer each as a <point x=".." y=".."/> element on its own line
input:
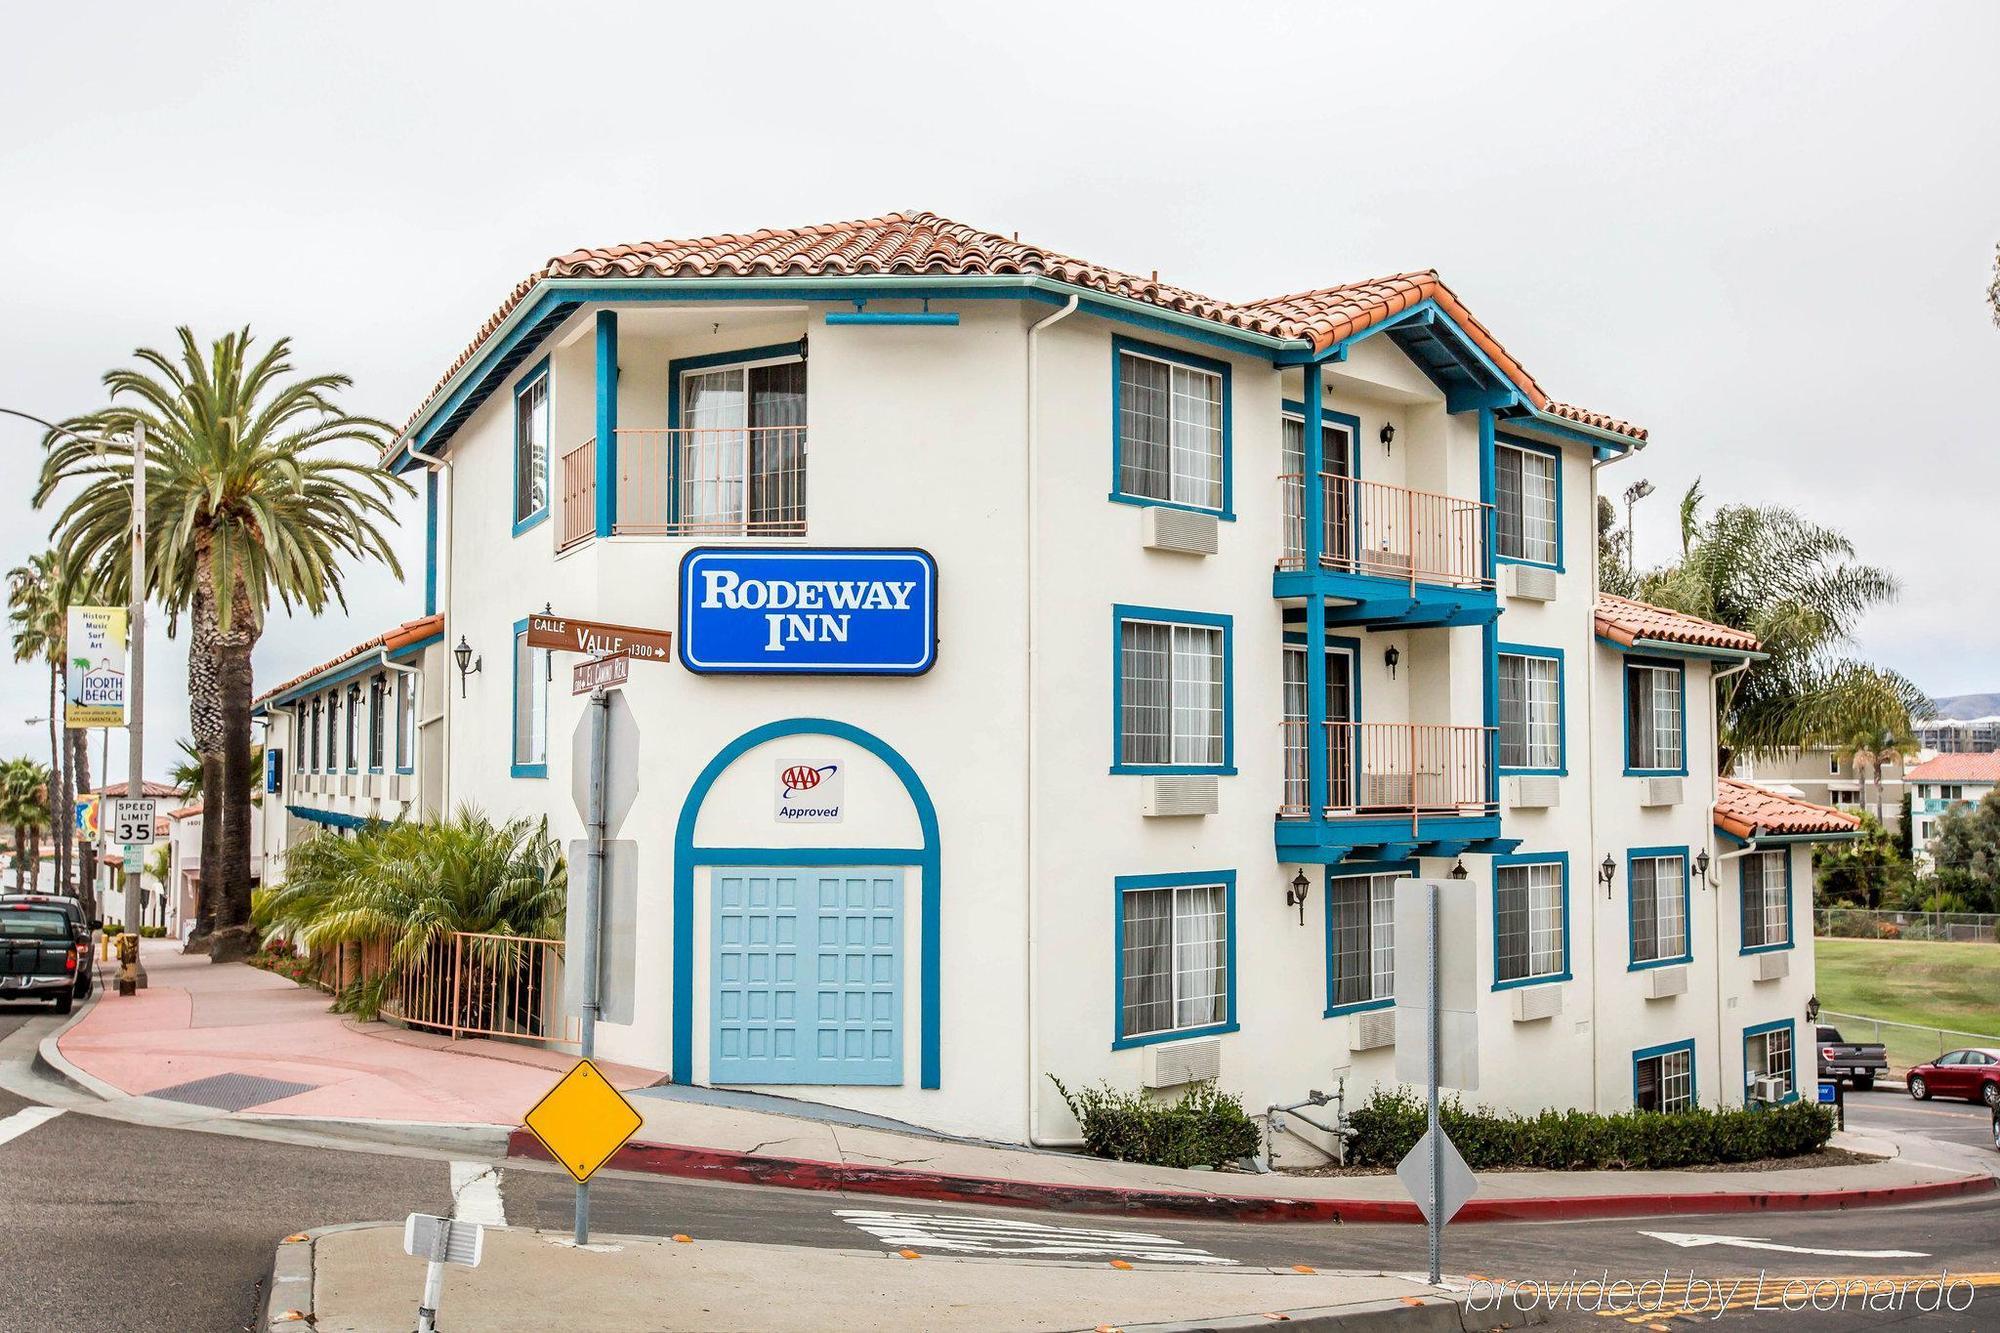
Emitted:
<point x="38" y="957"/>
<point x="1859" y="1062"/>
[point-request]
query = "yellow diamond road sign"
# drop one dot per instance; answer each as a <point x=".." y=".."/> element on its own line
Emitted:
<point x="583" y="1120"/>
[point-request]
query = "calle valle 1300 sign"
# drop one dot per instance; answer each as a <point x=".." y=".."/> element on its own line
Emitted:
<point x="856" y="611"/>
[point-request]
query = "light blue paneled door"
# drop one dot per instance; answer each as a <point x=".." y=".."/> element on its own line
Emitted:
<point x="806" y="975"/>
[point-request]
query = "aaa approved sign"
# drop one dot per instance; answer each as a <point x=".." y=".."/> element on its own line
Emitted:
<point x="583" y="1120"/>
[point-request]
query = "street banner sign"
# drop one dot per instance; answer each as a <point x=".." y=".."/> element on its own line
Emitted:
<point x="564" y="635"/>
<point x="1457" y="996"/>
<point x="830" y="611"/>
<point x="88" y="810"/>
<point x="94" y="678"/>
<point x="1458" y="1182"/>
<point x="583" y="1120"/>
<point x="132" y="820"/>
<point x="600" y="673"/>
<point x="621" y="774"/>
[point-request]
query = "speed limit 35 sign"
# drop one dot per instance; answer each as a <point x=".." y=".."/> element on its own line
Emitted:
<point x="132" y="820"/>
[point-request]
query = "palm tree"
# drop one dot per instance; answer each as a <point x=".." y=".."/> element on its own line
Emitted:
<point x="1795" y="585"/>
<point x="24" y="808"/>
<point x="1870" y="753"/>
<point x="252" y="499"/>
<point x="39" y="613"/>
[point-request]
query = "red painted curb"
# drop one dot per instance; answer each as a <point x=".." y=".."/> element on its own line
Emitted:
<point x="666" y="1159"/>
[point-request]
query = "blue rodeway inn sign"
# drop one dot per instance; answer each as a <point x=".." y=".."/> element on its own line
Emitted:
<point x="813" y="611"/>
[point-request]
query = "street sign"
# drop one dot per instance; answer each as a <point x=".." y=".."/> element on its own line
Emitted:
<point x="583" y="1120"/>
<point x="94" y="681"/>
<point x="132" y="820"/>
<point x="830" y="611"/>
<point x="1457" y="1181"/>
<point x="565" y="635"/>
<point x="600" y="673"/>
<point x="621" y="775"/>
<point x="1457" y="971"/>
<point x="443" y="1240"/>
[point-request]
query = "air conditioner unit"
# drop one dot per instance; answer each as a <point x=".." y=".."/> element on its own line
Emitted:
<point x="1170" y="795"/>
<point x="1375" y="1028"/>
<point x="1395" y="564"/>
<point x="1775" y="965"/>
<point x="1533" y="1003"/>
<point x="1387" y="791"/>
<point x="1660" y="791"/>
<point x="1174" y="1063"/>
<point x="1666" y="982"/>
<point x="1179" y="530"/>
<point x="1531" y="792"/>
<point x="1768" y="1088"/>
<point x="1529" y="583"/>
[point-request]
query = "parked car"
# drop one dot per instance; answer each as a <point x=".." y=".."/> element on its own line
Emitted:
<point x="80" y="926"/>
<point x="38" y="955"/>
<point x="1859" y="1062"/>
<point x="1973" y="1073"/>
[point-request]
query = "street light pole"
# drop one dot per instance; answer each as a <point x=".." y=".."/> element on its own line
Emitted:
<point x="135" y="685"/>
<point x="1634" y="493"/>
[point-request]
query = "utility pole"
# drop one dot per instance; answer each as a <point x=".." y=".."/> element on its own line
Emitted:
<point x="135" y="683"/>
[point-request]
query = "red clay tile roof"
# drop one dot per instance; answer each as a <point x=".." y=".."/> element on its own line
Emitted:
<point x="151" y="789"/>
<point x="185" y="811"/>
<point x="1623" y="620"/>
<point x="1584" y="416"/>
<point x="1956" y="768"/>
<point x="915" y="244"/>
<point x="409" y="632"/>
<point x="1743" y="808"/>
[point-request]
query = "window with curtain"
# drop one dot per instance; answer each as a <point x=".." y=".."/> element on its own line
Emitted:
<point x="743" y="450"/>
<point x="378" y="718"/>
<point x="1169" y="432"/>
<point x="1170" y="693"/>
<point x="351" y="729"/>
<point x="406" y="723"/>
<point x="531" y="707"/>
<point x="333" y="731"/>
<point x="531" y="448"/>
<point x="1766" y="918"/>
<point x="1363" y="954"/>
<point x="1653" y="718"/>
<point x="1176" y="959"/>
<point x="1524" y="509"/>
<point x="1769" y="1055"/>
<point x="1528" y="922"/>
<point x="1530" y="712"/>
<point x="314" y="727"/>
<point x="1336" y="496"/>
<point x="1659" y="909"/>
<point x="1664" y="1082"/>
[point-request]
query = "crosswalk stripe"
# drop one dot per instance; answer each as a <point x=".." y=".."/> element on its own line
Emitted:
<point x="990" y="1235"/>
<point x="19" y="1123"/>
<point x="475" y="1194"/>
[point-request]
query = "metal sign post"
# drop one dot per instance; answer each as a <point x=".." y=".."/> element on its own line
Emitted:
<point x="593" y="892"/>
<point x="440" y="1241"/>
<point x="1443" y="1025"/>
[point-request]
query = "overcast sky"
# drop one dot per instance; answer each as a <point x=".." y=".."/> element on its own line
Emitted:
<point x="1761" y="230"/>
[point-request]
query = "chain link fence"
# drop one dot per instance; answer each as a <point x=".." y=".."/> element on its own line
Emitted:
<point x="1950" y="927"/>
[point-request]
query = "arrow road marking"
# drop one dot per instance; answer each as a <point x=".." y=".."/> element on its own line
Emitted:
<point x="999" y="1235"/>
<point x="19" y="1123"/>
<point x="1693" y="1240"/>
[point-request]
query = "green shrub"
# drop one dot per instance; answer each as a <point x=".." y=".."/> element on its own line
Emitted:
<point x="1390" y="1122"/>
<point x="1206" y="1127"/>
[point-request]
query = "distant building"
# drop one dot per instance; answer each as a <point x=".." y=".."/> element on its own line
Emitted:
<point x="1936" y="785"/>
<point x="1946" y="735"/>
<point x="1819" y="776"/>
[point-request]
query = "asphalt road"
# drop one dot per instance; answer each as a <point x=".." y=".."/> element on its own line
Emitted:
<point x="110" y="1225"/>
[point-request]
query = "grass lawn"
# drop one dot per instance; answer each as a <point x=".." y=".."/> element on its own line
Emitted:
<point x="1952" y="986"/>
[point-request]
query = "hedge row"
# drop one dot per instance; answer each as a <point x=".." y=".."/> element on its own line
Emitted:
<point x="1389" y="1124"/>
<point x="1206" y="1127"/>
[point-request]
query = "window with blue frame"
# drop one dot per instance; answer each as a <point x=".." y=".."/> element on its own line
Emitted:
<point x="1531" y="709"/>
<point x="317" y="712"/>
<point x="1766" y="899"/>
<point x="1658" y="901"/>
<point x="1171" y="692"/>
<point x="532" y="423"/>
<point x="406" y="724"/>
<point x="1768" y="1054"/>
<point x="1171" y="417"/>
<point x="378" y="716"/>
<point x="1663" y="1077"/>
<point x="1655" y="717"/>
<point x="1527" y="503"/>
<point x="1530" y="921"/>
<point x="351" y="729"/>
<point x="1361" y="941"/>
<point x="531" y="707"/>
<point x="1176" y="949"/>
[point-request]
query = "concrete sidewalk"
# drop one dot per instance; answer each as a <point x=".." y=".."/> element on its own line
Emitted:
<point x="347" y="1280"/>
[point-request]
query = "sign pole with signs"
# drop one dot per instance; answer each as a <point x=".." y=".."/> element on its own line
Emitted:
<point x="1436" y="1020"/>
<point x="599" y="721"/>
<point x="135" y="772"/>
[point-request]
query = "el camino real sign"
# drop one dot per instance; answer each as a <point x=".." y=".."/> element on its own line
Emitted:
<point x="826" y="611"/>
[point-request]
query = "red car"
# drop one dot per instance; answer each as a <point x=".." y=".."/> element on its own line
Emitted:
<point x="1973" y="1074"/>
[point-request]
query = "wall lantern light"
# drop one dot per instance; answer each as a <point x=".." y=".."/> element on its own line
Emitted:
<point x="1295" y="896"/>
<point x="1390" y="656"/>
<point x="468" y="662"/>
<point x="1701" y="865"/>
<point x="1388" y="437"/>
<point x="1458" y="871"/>
<point x="1607" y="872"/>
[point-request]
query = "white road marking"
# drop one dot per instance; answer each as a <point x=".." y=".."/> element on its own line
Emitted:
<point x="475" y="1194"/>
<point x="19" y="1123"/>
<point x="1694" y="1240"/>
<point x="996" y="1235"/>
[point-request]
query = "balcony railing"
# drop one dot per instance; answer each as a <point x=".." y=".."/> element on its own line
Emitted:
<point x="577" y="476"/>
<point x="1391" y="768"/>
<point x="713" y="482"/>
<point x="1368" y="527"/>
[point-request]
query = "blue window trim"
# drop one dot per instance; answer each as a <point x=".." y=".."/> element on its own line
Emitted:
<point x="350" y="727"/>
<point x="1625" y="716"/>
<point x="1124" y="883"/>
<point x="1502" y="440"/>
<point x="1632" y="961"/>
<point x="1791" y="921"/>
<point x="1668" y="1048"/>
<point x="1296" y="411"/>
<point x="515" y="767"/>
<point x="1120" y="613"/>
<point x="1757" y="1030"/>
<point x="539" y="371"/>
<point x="430" y="541"/>
<point x="772" y="353"/>
<point x="377" y="724"/>
<point x="1561" y="861"/>
<point x="1120" y="345"/>
<point x="1561" y="770"/>
<point x="406" y="688"/>
<point x="1354" y="870"/>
